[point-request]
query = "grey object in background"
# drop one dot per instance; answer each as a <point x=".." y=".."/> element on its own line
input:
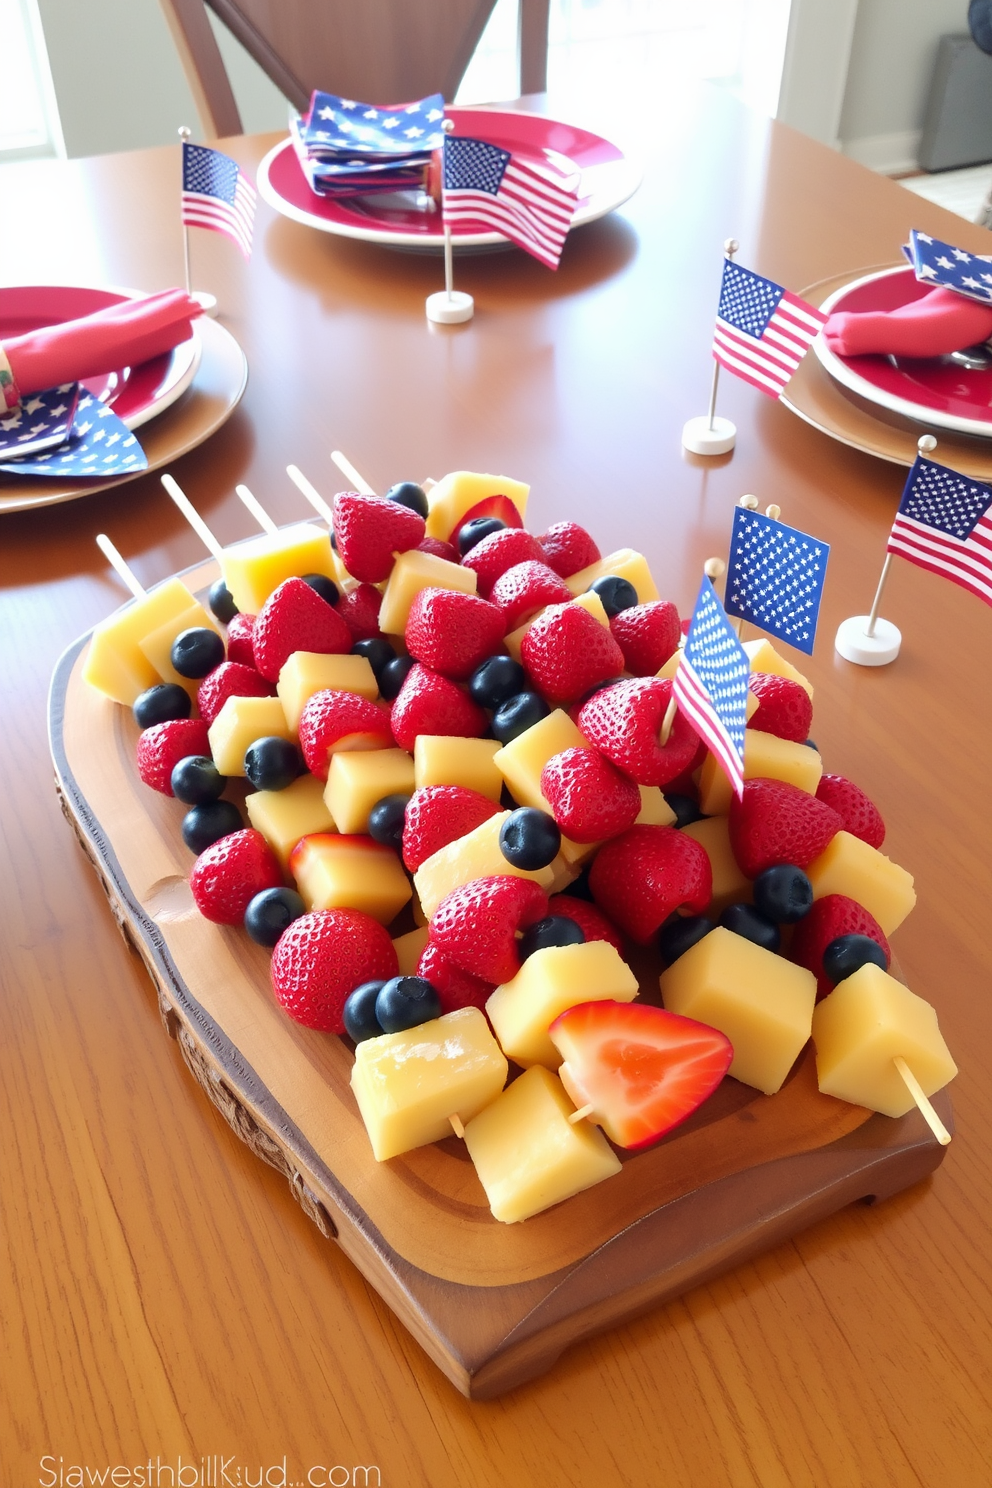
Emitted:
<point x="958" y="126"/>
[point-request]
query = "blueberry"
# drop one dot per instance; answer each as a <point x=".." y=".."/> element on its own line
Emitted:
<point x="272" y="763"/>
<point x="616" y="593"/>
<point x="386" y="820"/>
<point x="810" y="744"/>
<point x="473" y="532"/>
<point x="161" y="703"/>
<point x="555" y="930"/>
<point x="685" y="808"/>
<point x="783" y="893"/>
<point x="197" y="651"/>
<point x="529" y="838"/>
<point x="498" y="679"/>
<point x="518" y="713"/>
<point x="221" y="601"/>
<point x="377" y="652"/>
<point x="322" y="585"/>
<point x="744" y="919"/>
<point x="207" y="824"/>
<point x="406" y="1002"/>
<point x="360" y="1021"/>
<point x="848" y="953"/>
<point x="579" y="887"/>
<point x="270" y="912"/>
<point x="334" y="541"/>
<point x="196" y="780"/>
<point x="408" y="493"/>
<point x="393" y="675"/>
<point x="679" y="934"/>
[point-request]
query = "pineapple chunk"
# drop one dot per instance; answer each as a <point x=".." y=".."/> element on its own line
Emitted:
<point x="522" y="760"/>
<point x="476" y="855"/>
<point x="253" y="569"/>
<point x="284" y="817"/>
<point x="559" y="977"/>
<point x="334" y="872"/>
<point x="409" y="948"/>
<point x="849" y="866"/>
<point x="440" y="759"/>
<point x="766" y="757"/>
<point x="157" y="644"/>
<point x="307" y="672"/>
<point x="412" y="572"/>
<point x="655" y="810"/>
<point x="764" y="658"/>
<point x="239" y="723"/>
<point x="357" y="779"/>
<point x="455" y="495"/>
<point x="115" y="664"/>
<point x="729" y="884"/>
<point x="626" y="564"/>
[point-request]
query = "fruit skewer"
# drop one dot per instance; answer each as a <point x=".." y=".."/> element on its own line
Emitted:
<point x="350" y="473"/>
<point x="193" y="517"/>
<point x="311" y="493"/>
<point x="120" y="567"/>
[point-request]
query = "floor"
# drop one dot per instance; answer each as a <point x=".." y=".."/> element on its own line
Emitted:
<point x="959" y="191"/>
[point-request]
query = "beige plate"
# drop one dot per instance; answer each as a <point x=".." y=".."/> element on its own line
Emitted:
<point x="220" y="381"/>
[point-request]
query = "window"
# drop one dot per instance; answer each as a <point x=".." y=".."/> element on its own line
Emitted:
<point x="29" y="122"/>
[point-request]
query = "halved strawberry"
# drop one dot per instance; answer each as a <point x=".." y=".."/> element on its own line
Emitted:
<point x="643" y="1070"/>
<point x="476" y="926"/>
<point x="295" y="618"/>
<point x="784" y="707"/>
<point x="369" y="530"/>
<point x="640" y="877"/>
<point x="775" y="822"/>
<point x="624" y="723"/>
<point x="332" y="720"/>
<point x="438" y="814"/>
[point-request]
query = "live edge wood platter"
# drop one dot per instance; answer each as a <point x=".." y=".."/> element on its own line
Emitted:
<point x="492" y="1304"/>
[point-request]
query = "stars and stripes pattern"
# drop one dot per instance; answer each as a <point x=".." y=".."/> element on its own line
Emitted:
<point x="710" y="685"/>
<point x="762" y="330"/>
<point x="337" y="125"/>
<point x="941" y="264"/>
<point x="486" y="188"/>
<point x="775" y="577"/>
<point x="216" y="195"/>
<point x="100" y="445"/>
<point x="42" y="421"/>
<point x="944" y="524"/>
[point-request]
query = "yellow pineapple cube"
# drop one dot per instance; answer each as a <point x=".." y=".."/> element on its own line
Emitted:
<point x="764" y="658"/>
<point x="412" y="572"/>
<point x="868" y="1021"/>
<point x="338" y="872"/>
<point x="157" y="645"/>
<point x="760" y="1001"/>
<point x="253" y="569"/>
<point x="527" y="1153"/>
<point x="284" y="817"/>
<point x="476" y="855"/>
<point x="239" y="723"/>
<point x="559" y="977"/>
<point x="408" y="1085"/>
<point x="440" y="759"/>
<point x="307" y="672"/>
<point x="671" y="665"/>
<point x="115" y="664"/>
<point x="626" y="564"/>
<point x="655" y="810"/>
<point x="729" y="884"/>
<point x="766" y="757"/>
<point x="849" y="866"/>
<point x="409" y="948"/>
<point x="358" y="779"/>
<point x="521" y="761"/>
<point x="454" y="496"/>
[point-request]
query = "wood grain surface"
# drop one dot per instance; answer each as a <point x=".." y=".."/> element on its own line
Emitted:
<point x="161" y="1292"/>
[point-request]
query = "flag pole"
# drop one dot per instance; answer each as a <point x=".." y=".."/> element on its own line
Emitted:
<point x="184" y="135"/>
<point x="710" y="435"/>
<point x="448" y="306"/>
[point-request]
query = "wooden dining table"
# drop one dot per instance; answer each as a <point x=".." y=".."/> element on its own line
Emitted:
<point x="165" y="1304"/>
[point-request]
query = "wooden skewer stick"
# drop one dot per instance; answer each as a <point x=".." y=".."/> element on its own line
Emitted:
<point x="580" y="1114"/>
<point x="193" y="517"/>
<point x="257" y="510"/>
<point x="925" y="1108"/>
<point x="667" y="723"/>
<point x="350" y="473"/>
<point x="119" y="566"/>
<point x="456" y="1125"/>
<point x="314" y="497"/>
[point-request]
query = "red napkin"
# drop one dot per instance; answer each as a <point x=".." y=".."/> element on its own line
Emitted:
<point x="122" y="335"/>
<point x="940" y="322"/>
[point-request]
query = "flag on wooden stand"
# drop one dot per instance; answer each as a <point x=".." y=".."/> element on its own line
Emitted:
<point x="762" y="330"/>
<point x="216" y="195"/>
<point x="710" y="684"/>
<point x="775" y="577"/>
<point x="485" y="188"/>
<point x="944" y="524"/>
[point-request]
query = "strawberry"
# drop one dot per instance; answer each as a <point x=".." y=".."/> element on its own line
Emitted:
<point x="295" y="618"/>
<point x="439" y="549"/>
<point x="161" y="747"/>
<point x="230" y="679"/>
<point x="369" y="530"/>
<point x="647" y="634"/>
<point x="491" y="557"/>
<point x="568" y="548"/>
<point x="831" y="916"/>
<point x="593" y="924"/>
<point x="784" y="708"/>
<point x="360" y="612"/>
<point x="456" y="989"/>
<point x="640" y="877"/>
<point x="452" y="633"/>
<point x="860" y="815"/>
<point x="227" y="876"/>
<point x="438" y="814"/>
<point x="643" y="1070"/>
<point x="475" y="926"/>
<point x="624" y="723"/>
<point x="500" y="507"/>
<point x="240" y="647"/>
<point x="333" y="721"/>
<point x="428" y="703"/>
<point x="589" y="798"/>
<point x="775" y="822"/>
<point x="320" y="960"/>
<point x="526" y="588"/>
<point x="566" y="651"/>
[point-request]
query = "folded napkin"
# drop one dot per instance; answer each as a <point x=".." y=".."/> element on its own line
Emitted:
<point x="122" y="335"/>
<point x="96" y="443"/>
<point x="346" y="148"/>
<point x="940" y="322"/>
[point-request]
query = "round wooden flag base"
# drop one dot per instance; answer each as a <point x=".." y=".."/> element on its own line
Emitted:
<point x="450" y="309"/>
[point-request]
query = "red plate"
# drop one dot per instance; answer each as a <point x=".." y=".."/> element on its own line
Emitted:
<point x="136" y="394"/>
<point x="607" y="180"/>
<point x="932" y="390"/>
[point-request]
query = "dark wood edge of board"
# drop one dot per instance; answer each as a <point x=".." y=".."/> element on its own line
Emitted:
<point x="482" y="1350"/>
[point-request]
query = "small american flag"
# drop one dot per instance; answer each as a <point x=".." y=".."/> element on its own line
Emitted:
<point x="711" y="684"/>
<point x="775" y="578"/>
<point x="938" y="263"/>
<point x="944" y="524"/>
<point x="487" y="188"/>
<point x="216" y="195"/>
<point x="762" y="331"/>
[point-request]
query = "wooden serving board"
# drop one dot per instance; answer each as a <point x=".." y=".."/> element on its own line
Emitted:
<point x="493" y="1305"/>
